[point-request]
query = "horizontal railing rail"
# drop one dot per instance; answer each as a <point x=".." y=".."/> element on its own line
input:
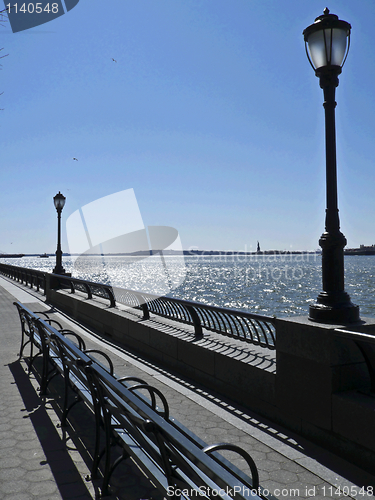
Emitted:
<point x="247" y="327"/>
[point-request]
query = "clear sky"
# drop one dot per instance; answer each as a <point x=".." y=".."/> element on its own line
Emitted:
<point x="211" y="113"/>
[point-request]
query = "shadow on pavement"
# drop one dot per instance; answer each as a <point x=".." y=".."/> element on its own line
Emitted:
<point x="67" y="477"/>
<point x="127" y="481"/>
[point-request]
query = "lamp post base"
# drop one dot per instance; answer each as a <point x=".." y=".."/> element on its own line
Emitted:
<point x="59" y="270"/>
<point x="339" y="312"/>
<point x="333" y="306"/>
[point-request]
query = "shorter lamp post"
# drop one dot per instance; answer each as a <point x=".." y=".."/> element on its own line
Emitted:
<point x="59" y="201"/>
<point x="327" y="44"/>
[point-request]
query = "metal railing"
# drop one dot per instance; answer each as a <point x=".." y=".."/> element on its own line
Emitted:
<point x="30" y="277"/>
<point x="89" y="287"/>
<point x="247" y="327"/>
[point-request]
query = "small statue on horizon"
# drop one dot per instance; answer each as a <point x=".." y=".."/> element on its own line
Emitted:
<point x="258" y="246"/>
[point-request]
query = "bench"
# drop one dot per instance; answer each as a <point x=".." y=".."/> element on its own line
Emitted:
<point x="30" y="334"/>
<point x="179" y="463"/>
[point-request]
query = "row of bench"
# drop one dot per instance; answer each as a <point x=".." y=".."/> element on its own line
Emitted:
<point x="179" y="463"/>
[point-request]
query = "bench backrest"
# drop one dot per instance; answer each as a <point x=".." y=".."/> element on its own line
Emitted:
<point x="186" y="464"/>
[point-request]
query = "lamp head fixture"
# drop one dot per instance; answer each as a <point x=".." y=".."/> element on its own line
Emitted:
<point x="59" y="201"/>
<point x="327" y="43"/>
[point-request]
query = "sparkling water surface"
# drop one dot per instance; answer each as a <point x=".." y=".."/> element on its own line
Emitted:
<point x="280" y="285"/>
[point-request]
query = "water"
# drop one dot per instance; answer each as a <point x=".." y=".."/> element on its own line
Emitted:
<point x="264" y="284"/>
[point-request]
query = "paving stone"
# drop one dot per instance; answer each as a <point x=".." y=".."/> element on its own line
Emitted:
<point x="43" y="488"/>
<point x="12" y="487"/>
<point x="284" y="476"/>
<point x="32" y="464"/>
<point x="309" y="478"/>
<point x="10" y="462"/>
<point x="5" y="427"/>
<point x="291" y="467"/>
<point x="20" y="496"/>
<point x="11" y="474"/>
<point x="268" y="466"/>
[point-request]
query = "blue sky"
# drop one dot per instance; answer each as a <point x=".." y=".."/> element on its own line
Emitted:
<point x="212" y="114"/>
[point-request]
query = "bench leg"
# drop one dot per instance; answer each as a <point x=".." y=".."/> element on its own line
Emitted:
<point x="44" y="381"/>
<point x="97" y="454"/>
<point x="109" y="471"/>
<point x="23" y="344"/>
<point x="67" y="410"/>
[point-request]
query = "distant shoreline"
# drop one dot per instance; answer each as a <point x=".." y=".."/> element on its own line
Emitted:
<point x="173" y="252"/>
<point x="193" y="253"/>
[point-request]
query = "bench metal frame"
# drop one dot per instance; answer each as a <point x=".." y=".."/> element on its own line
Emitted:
<point x="179" y="463"/>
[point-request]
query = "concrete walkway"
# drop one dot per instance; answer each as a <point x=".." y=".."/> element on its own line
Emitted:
<point x="38" y="460"/>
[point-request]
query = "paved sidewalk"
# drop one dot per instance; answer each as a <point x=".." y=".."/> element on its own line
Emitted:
<point x="35" y="462"/>
<point x="33" y="457"/>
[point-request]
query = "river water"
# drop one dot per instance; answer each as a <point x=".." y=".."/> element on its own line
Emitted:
<point x="280" y="285"/>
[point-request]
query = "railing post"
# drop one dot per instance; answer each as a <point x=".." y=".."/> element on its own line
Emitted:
<point x="111" y="297"/>
<point x="143" y="305"/>
<point x="88" y="290"/>
<point x="146" y="312"/>
<point x="196" y="322"/>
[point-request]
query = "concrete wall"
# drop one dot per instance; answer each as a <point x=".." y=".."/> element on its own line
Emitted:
<point x="322" y="388"/>
<point x="315" y="383"/>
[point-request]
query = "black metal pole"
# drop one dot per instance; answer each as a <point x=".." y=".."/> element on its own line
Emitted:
<point x="59" y="268"/>
<point x="333" y="304"/>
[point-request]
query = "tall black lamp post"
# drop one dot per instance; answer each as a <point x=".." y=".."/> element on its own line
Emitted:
<point x="327" y="44"/>
<point x="59" y="201"/>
